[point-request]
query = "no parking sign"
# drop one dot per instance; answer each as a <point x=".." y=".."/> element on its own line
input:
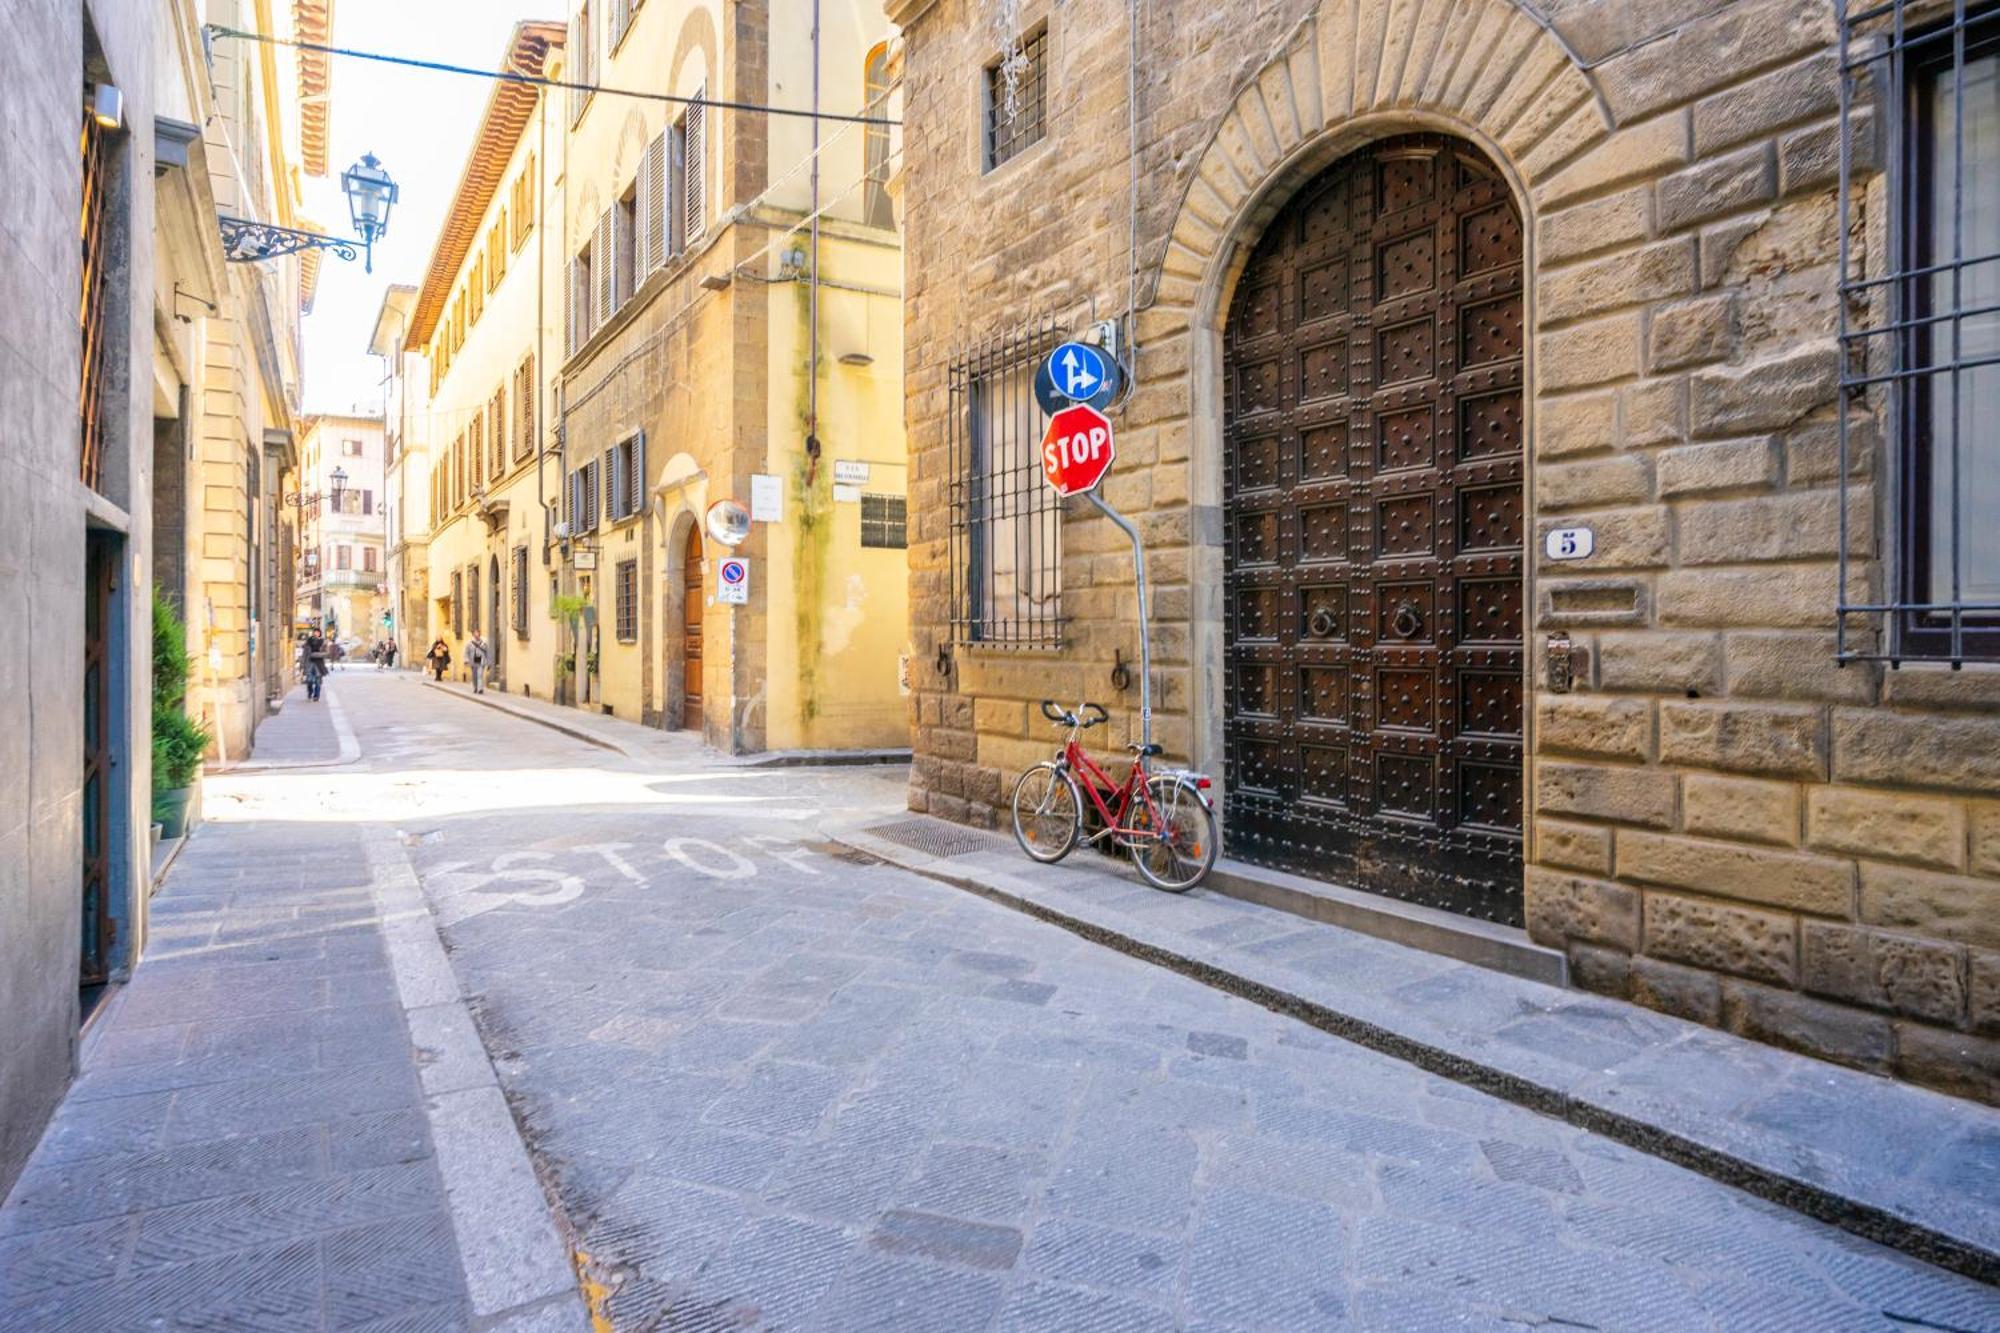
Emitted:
<point x="734" y="574"/>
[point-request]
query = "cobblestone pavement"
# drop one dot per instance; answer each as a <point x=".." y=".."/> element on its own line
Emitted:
<point x="776" y="1087"/>
<point x="246" y="1148"/>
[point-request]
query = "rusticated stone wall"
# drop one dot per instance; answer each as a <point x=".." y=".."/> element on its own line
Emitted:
<point x="1722" y="822"/>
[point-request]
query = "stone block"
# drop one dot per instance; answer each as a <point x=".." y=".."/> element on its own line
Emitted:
<point x="1795" y="525"/>
<point x="1643" y="151"/>
<point x="1576" y="602"/>
<point x="1931" y="903"/>
<point x="1717" y="938"/>
<point x="1958" y="752"/>
<point x="1796" y="92"/>
<point x="1794" y="666"/>
<point x="1659" y="662"/>
<point x="1562" y="908"/>
<point x="1634" y="277"/>
<point x="1584" y="847"/>
<point x="1585" y="355"/>
<point x="1887" y="825"/>
<point x="1819" y="1028"/>
<point x="1811" y="156"/>
<point x="1593" y="725"/>
<point x="1746" y="809"/>
<point x="1706" y="50"/>
<point x="1684" y="992"/>
<point x="1982" y="1000"/>
<point x="1644" y="796"/>
<point x="1000" y="717"/>
<point x="1626" y="538"/>
<point x="1812" y="450"/>
<point x="1985" y="838"/>
<point x="1692" y="333"/>
<point x="1772" y="739"/>
<point x="1974" y="686"/>
<point x="1778" y="597"/>
<point x="1615" y="220"/>
<point x="1765" y="395"/>
<point x="1720" y="242"/>
<point x="1961" y="1063"/>
<point x="1561" y="487"/>
<point x="1717" y="186"/>
<point x="1576" y="424"/>
<point x="1717" y="468"/>
<point x="1605" y="971"/>
<point x="1652" y="411"/>
<point x="1921" y="978"/>
<point x="1794" y="881"/>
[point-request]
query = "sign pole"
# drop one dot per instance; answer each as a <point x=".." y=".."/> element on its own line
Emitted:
<point x="1145" y="634"/>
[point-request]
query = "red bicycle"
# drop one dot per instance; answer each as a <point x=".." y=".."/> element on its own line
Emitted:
<point x="1165" y="820"/>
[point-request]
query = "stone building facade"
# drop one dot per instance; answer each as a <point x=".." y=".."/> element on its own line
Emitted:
<point x="1462" y="331"/>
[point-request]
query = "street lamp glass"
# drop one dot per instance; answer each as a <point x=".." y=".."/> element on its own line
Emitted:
<point x="339" y="485"/>
<point x="370" y="193"/>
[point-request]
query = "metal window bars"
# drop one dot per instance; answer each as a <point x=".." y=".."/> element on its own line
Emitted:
<point x="1016" y="101"/>
<point x="1920" y="333"/>
<point x="1005" y="552"/>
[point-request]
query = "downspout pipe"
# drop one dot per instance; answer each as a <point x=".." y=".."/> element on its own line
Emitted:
<point x="812" y="303"/>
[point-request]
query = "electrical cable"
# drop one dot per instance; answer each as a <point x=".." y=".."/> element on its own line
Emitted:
<point x="537" y="80"/>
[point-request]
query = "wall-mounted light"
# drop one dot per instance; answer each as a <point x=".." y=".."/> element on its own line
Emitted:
<point x="856" y="359"/>
<point x="107" y="106"/>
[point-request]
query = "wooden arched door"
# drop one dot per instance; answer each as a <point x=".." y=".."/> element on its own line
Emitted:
<point x="691" y="618"/>
<point x="1374" y="562"/>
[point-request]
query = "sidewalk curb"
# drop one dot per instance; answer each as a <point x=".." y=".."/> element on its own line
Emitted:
<point x="575" y="733"/>
<point x="348" y="753"/>
<point x="1845" y="1210"/>
<point x="510" y="1244"/>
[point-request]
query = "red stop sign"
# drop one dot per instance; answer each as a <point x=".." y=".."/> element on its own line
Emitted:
<point x="1077" y="449"/>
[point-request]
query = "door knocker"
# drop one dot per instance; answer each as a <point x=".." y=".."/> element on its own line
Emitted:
<point x="1405" y="624"/>
<point x="1321" y="624"/>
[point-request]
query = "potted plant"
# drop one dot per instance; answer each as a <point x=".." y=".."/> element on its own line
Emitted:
<point x="179" y="742"/>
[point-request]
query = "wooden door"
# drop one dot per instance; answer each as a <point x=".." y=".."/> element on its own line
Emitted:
<point x="1374" y="565"/>
<point x="691" y="618"/>
<point x="99" y="770"/>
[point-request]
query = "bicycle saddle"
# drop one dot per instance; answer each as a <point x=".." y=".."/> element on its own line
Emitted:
<point x="1148" y="750"/>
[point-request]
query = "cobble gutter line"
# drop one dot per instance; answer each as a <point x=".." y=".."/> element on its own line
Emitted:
<point x="1857" y="1216"/>
<point x="515" y="1260"/>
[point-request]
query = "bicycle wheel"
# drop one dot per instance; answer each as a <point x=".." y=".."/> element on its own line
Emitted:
<point x="1046" y="808"/>
<point x="1181" y="855"/>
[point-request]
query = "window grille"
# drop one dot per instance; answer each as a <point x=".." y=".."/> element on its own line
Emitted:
<point x="885" y="522"/>
<point x="627" y="601"/>
<point x="1016" y="101"/>
<point x="1006" y="524"/>
<point x="1921" y="338"/>
<point x="97" y="337"/>
<point x="457" y="603"/>
<point x="520" y="604"/>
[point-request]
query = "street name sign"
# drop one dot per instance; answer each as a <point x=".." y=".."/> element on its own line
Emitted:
<point x="1077" y="450"/>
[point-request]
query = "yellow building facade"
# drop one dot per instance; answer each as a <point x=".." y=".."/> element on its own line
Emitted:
<point x="732" y="331"/>
<point x="488" y="319"/>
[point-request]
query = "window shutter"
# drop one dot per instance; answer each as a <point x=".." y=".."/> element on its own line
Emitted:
<point x="602" y="266"/>
<point x="694" y="179"/>
<point x="636" y="485"/>
<point x="569" y="310"/>
<point x="614" y="485"/>
<point x="654" y="205"/>
<point x="367" y="502"/>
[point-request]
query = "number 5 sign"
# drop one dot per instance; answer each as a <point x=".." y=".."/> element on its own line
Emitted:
<point x="1077" y="450"/>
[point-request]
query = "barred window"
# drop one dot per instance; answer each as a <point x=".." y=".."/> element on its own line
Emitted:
<point x="885" y="522"/>
<point x="627" y="601"/>
<point x="1016" y="101"/>
<point x="1006" y="524"/>
<point x="1922" y="336"/>
<point x="520" y="605"/>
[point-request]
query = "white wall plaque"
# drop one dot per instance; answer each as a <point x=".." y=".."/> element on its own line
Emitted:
<point x="850" y="472"/>
<point x="1570" y="544"/>
<point x="767" y="498"/>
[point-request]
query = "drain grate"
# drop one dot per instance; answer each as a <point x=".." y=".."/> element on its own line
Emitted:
<point x="935" y="837"/>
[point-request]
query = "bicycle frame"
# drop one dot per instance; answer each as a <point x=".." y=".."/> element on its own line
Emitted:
<point x="1095" y="779"/>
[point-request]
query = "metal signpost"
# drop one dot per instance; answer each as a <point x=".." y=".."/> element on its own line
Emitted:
<point x="1077" y="452"/>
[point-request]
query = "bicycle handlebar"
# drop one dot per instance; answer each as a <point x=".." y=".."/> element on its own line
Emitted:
<point x="1063" y="717"/>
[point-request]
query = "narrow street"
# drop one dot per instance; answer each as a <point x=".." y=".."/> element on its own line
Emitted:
<point x="770" y="1084"/>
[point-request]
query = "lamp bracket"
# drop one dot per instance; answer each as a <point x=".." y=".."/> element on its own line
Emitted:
<point x="247" y="242"/>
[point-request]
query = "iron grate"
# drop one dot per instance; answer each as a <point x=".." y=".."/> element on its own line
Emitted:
<point x="934" y="836"/>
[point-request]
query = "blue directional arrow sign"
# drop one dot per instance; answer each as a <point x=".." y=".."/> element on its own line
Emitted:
<point x="1076" y="373"/>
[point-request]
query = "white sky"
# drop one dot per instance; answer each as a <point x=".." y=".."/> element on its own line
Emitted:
<point x="420" y="124"/>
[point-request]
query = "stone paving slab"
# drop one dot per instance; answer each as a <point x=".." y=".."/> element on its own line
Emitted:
<point x="1901" y="1165"/>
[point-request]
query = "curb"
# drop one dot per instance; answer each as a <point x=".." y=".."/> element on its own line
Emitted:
<point x="575" y="733"/>
<point x="1852" y="1214"/>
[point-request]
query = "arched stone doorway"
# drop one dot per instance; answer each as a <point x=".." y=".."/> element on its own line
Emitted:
<point x="1374" y="564"/>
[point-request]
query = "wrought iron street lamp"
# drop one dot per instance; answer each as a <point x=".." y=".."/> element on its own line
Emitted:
<point x="302" y="500"/>
<point x="370" y="193"/>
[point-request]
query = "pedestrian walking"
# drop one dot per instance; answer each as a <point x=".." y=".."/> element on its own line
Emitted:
<point x="477" y="656"/>
<point x="389" y="654"/>
<point x="440" y="659"/>
<point x="312" y="663"/>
